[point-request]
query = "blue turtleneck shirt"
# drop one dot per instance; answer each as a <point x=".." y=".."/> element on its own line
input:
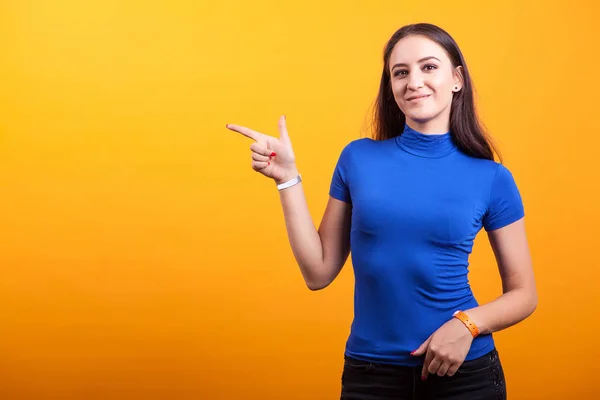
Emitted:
<point x="417" y="204"/>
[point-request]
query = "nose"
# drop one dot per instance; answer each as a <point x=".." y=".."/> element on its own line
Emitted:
<point x="415" y="81"/>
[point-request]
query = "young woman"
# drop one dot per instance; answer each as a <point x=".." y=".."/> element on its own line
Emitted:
<point x="409" y="203"/>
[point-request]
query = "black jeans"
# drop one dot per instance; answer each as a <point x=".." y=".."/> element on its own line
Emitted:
<point x="478" y="379"/>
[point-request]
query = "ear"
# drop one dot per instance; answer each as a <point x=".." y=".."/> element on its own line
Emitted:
<point x="459" y="79"/>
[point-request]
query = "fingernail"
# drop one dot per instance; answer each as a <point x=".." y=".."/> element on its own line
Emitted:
<point x="423" y="377"/>
<point x="273" y="154"/>
<point x="412" y="353"/>
<point x="268" y="163"/>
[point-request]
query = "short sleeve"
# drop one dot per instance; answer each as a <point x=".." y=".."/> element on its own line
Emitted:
<point x="339" y="188"/>
<point x="505" y="205"/>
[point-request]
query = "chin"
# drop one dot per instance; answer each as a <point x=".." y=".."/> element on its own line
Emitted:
<point x="420" y="117"/>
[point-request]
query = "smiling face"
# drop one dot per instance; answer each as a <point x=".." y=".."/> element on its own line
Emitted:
<point x="423" y="82"/>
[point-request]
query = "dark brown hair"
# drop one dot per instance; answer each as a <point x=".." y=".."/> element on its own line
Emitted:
<point x="466" y="129"/>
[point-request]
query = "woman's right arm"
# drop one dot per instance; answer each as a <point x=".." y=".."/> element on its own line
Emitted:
<point x="321" y="253"/>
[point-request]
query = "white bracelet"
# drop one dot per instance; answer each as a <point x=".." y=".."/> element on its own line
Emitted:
<point x="290" y="183"/>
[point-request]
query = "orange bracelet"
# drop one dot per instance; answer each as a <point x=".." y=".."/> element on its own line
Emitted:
<point x="468" y="322"/>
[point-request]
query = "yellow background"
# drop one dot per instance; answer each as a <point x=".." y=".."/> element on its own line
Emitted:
<point x="142" y="258"/>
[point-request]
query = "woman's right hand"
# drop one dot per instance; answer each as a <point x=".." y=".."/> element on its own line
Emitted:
<point x="273" y="157"/>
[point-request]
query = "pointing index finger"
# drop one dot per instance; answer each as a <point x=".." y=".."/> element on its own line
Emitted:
<point x="244" y="131"/>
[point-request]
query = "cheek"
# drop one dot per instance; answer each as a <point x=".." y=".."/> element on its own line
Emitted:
<point x="399" y="91"/>
<point x="441" y="84"/>
<point x="397" y="88"/>
<point x="399" y="94"/>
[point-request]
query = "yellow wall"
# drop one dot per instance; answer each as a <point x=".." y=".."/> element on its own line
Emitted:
<point x="142" y="258"/>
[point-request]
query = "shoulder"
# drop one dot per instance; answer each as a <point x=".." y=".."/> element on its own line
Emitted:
<point x="497" y="172"/>
<point x="491" y="169"/>
<point x="364" y="145"/>
<point x="361" y="143"/>
<point x="503" y="178"/>
<point x="505" y="204"/>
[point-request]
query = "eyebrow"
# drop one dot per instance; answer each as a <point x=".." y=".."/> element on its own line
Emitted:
<point x="420" y="61"/>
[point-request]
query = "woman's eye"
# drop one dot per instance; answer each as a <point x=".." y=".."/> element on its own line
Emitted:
<point x="400" y="72"/>
<point x="430" y="67"/>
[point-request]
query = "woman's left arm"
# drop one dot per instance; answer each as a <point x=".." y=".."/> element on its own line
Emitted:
<point x="446" y="349"/>
<point x="519" y="298"/>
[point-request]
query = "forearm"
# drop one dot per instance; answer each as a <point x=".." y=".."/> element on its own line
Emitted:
<point x="509" y="309"/>
<point x="302" y="234"/>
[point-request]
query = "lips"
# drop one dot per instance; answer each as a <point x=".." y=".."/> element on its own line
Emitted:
<point x="418" y="97"/>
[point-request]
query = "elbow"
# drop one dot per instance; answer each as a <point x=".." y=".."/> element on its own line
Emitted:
<point x="314" y="286"/>
<point x="317" y="283"/>
<point x="531" y="302"/>
<point x="534" y="302"/>
<point x="317" y="277"/>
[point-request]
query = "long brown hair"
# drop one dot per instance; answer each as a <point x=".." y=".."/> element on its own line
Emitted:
<point x="466" y="129"/>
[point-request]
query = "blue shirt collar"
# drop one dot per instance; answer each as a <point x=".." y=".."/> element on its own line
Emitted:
<point x="426" y="145"/>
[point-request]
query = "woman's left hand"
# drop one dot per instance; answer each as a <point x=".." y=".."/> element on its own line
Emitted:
<point x="445" y="350"/>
